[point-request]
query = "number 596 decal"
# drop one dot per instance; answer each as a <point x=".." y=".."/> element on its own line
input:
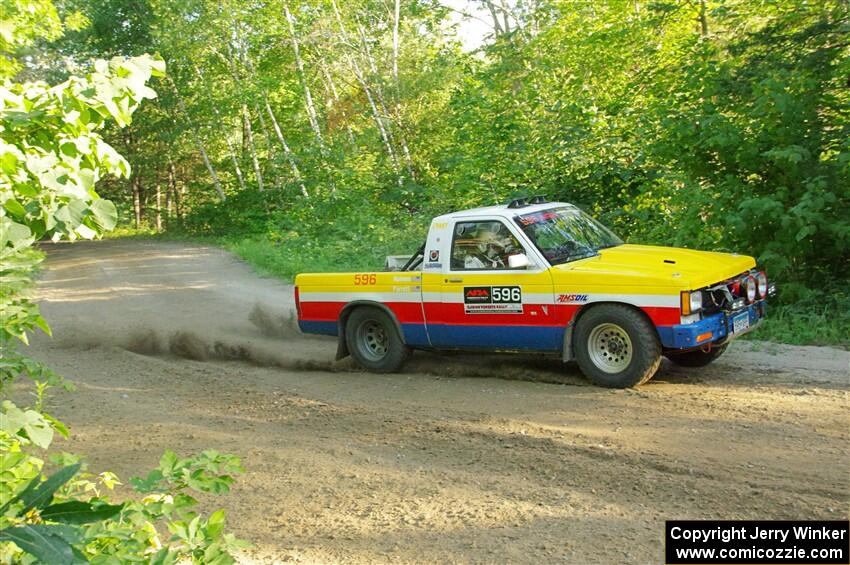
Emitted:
<point x="365" y="279"/>
<point x="492" y="299"/>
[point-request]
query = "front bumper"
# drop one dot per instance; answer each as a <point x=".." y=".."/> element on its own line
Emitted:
<point x="711" y="329"/>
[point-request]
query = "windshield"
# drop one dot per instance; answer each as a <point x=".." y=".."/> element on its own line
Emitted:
<point x="566" y="234"/>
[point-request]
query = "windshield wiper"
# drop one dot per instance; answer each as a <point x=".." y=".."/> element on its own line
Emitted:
<point x="567" y="257"/>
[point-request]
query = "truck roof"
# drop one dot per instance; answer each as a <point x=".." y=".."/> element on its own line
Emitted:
<point x="502" y="211"/>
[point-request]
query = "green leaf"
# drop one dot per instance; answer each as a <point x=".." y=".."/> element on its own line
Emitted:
<point x="43" y="493"/>
<point x="42" y="542"/>
<point x="15" y="207"/>
<point x="58" y="425"/>
<point x="14" y="420"/>
<point x="79" y="512"/>
<point x="105" y="213"/>
<point x="13" y="232"/>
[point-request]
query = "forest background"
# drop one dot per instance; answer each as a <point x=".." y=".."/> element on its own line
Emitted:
<point x="324" y="134"/>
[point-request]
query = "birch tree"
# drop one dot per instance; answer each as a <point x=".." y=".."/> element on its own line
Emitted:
<point x="197" y="139"/>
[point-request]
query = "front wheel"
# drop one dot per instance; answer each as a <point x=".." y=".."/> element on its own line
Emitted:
<point x="616" y="346"/>
<point x="698" y="358"/>
<point x="374" y="341"/>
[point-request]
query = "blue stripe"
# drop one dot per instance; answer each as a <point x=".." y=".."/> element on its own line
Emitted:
<point x="321" y="328"/>
<point x="531" y="338"/>
<point x="415" y="335"/>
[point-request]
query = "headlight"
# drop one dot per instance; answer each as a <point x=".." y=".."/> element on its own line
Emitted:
<point x="691" y="302"/>
<point x="761" y="279"/>
<point x="750" y="285"/>
<point x="696" y="301"/>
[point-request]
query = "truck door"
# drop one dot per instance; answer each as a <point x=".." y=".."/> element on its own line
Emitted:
<point x="483" y="299"/>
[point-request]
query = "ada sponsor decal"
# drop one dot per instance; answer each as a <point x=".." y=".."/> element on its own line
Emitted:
<point x="492" y="299"/>
<point x="572" y="298"/>
<point x="433" y="265"/>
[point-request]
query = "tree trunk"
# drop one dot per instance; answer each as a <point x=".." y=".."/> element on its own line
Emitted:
<point x="379" y="94"/>
<point x="331" y="92"/>
<point x="497" y="26"/>
<point x="167" y="204"/>
<point x="252" y="148"/>
<point x="396" y="18"/>
<point x="158" y="216"/>
<point x="506" y="17"/>
<point x="703" y="19"/>
<point x="172" y="197"/>
<point x="398" y="119"/>
<point x="286" y="151"/>
<point x="137" y="201"/>
<point x="299" y="65"/>
<point x="197" y="140"/>
<point x="358" y="73"/>
<point x="230" y="148"/>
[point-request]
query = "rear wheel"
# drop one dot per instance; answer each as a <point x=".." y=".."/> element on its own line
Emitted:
<point x="698" y="358"/>
<point x="374" y="342"/>
<point x="616" y="346"/>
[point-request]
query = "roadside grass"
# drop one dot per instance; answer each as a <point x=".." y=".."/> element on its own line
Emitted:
<point x="284" y="261"/>
<point x="816" y="318"/>
<point x="807" y="324"/>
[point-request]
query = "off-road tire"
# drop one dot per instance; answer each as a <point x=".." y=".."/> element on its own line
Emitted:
<point x="374" y="342"/>
<point x="696" y="358"/>
<point x="638" y="366"/>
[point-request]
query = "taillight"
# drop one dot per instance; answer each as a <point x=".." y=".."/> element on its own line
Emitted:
<point x="761" y="279"/>
<point x="297" y="302"/>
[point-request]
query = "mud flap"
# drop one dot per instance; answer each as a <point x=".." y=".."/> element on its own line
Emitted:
<point x="341" y="346"/>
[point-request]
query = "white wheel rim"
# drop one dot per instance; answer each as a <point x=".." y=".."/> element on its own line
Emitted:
<point x="610" y="348"/>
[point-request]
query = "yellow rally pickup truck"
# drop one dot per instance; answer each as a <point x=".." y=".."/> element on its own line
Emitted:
<point x="544" y="277"/>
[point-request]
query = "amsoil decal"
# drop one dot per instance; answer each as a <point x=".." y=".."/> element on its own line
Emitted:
<point x="492" y="299"/>
<point x="572" y="298"/>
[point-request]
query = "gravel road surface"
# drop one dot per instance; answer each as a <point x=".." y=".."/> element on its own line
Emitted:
<point x="478" y="459"/>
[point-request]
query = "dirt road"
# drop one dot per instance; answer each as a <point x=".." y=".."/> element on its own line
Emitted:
<point x="465" y="459"/>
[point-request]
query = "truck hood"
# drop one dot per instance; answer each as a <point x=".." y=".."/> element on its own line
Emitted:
<point x="648" y="265"/>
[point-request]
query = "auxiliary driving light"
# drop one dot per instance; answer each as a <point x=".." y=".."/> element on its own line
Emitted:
<point x="761" y="279"/>
<point x="750" y="285"/>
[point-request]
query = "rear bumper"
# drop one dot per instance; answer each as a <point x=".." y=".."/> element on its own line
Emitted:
<point x="712" y="329"/>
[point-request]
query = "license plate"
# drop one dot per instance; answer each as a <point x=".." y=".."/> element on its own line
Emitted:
<point x="741" y="322"/>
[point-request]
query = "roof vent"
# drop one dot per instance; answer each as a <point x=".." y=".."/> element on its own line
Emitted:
<point x="539" y="199"/>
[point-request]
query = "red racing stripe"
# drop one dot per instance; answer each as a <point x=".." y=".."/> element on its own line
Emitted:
<point x="406" y="312"/>
<point x="453" y="313"/>
<point x="662" y="316"/>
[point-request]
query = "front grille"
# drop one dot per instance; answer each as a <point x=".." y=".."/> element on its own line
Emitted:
<point x="721" y="297"/>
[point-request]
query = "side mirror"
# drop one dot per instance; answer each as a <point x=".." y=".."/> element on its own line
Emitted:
<point x="519" y="261"/>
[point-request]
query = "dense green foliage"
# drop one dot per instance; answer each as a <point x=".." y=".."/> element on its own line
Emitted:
<point x="52" y="154"/>
<point x="716" y="124"/>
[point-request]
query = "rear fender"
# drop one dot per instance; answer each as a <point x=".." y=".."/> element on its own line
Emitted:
<point x="342" y="345"/>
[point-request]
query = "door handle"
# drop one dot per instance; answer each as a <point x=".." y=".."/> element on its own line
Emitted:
<point x="454" y="280"/>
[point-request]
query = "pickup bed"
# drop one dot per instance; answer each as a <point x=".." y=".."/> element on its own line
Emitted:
<point x="543" y="277"/>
